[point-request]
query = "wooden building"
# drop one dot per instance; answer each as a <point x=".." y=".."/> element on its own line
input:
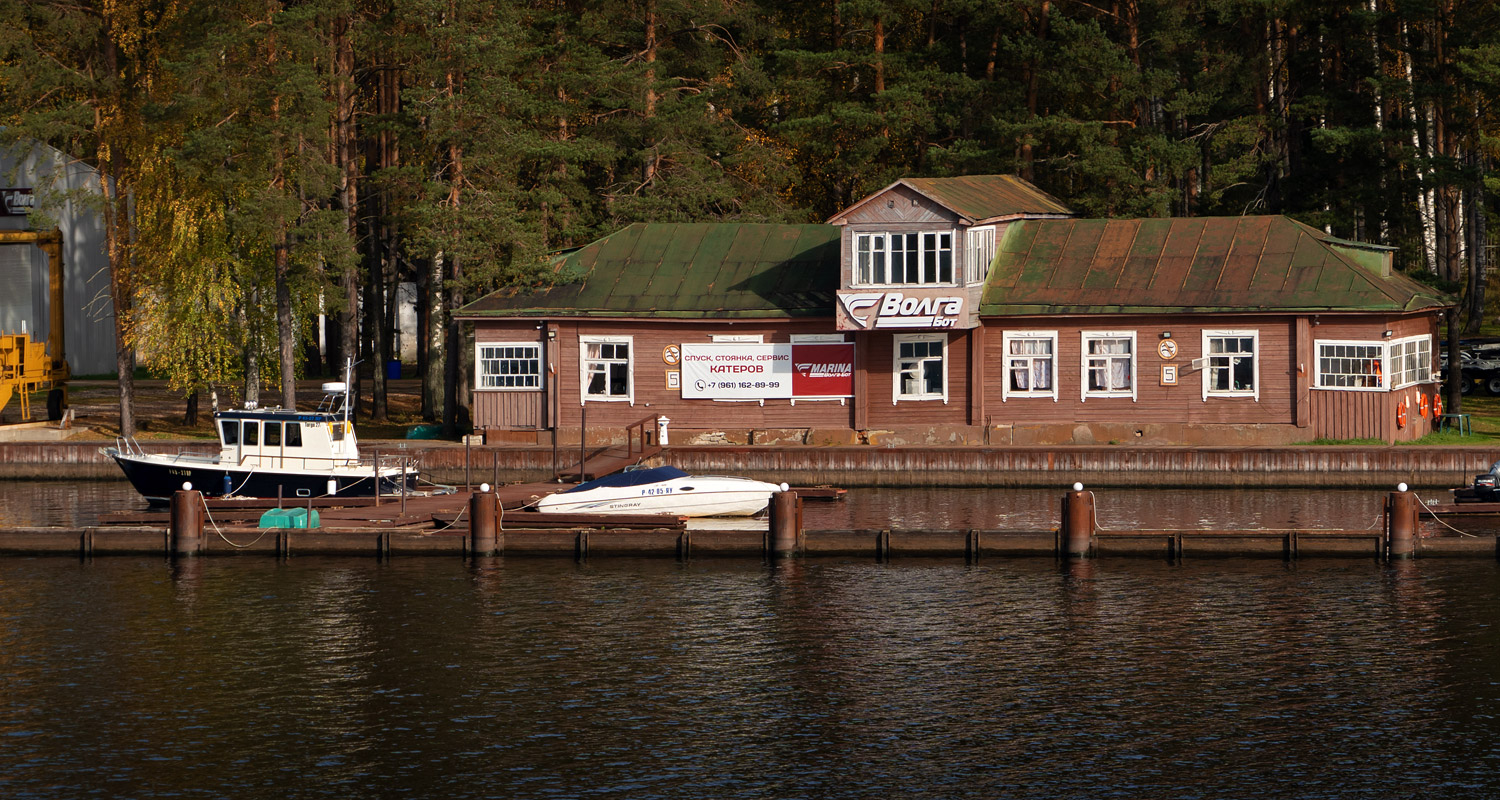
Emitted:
<point x="971" y="310"/>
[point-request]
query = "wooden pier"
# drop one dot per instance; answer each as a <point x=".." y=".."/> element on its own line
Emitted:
<point x="445" y="525"/>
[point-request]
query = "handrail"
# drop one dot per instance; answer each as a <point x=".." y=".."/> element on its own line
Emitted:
<point x="646" y="430"/>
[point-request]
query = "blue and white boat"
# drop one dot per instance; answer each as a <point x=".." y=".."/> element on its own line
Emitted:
<point x="270" y="452"/>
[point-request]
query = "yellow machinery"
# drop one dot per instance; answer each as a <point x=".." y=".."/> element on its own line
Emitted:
<point x="25" y="366"/>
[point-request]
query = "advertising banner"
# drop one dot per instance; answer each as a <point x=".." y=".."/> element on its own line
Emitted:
<point x="736" y="371"/>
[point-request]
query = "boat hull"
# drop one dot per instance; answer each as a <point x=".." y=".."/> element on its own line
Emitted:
<point x="158" y="478"/>
<point x="683" y="497"/>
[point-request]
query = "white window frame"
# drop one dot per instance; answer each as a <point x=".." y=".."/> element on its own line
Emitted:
<point x="1381" y="361"/>
<point x="1090" y="336"/>
<point x="583" y="369"/>
<point x="880" y="242"/>
<point x="1006" y="393"/>
<point x="902" y="338"/>
<point x="1254" y="336"/>
<point x="819" y="338"/>
<point x="1423" y="372"/>
<point x="979" y="251"/>
<point x="480" y="375"/>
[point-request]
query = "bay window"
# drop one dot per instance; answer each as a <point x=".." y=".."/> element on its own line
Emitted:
<point x="904" y="259"/>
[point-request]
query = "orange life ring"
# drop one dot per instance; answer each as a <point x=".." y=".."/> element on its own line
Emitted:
<point x="1422" y="405"/>
<point x="1401" y="414"/>
<point x="1437" y="406"/>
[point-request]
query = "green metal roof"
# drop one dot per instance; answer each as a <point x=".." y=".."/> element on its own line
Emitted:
<point x="981" y="197"/>
<point x="688" y="271"/>
<point x="1202" y="264"/>
<point x="976" y="198"/>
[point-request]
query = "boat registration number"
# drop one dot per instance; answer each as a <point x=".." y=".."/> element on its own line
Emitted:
<point x="655" y="490"/>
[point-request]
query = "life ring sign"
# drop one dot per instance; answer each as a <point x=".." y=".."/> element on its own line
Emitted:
<point x="1401" y="413"/>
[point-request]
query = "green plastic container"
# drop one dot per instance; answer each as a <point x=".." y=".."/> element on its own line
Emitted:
<point x="424" y="432"/>
<point x="289" y="518"/>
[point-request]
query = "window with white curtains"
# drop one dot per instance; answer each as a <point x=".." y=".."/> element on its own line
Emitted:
<point x="1108" y="364"/>
<point x="607" y="368"/>
<point x="1030" y="364"/>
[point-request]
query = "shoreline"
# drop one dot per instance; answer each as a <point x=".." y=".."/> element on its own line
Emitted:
<point x="1112" y="466"/>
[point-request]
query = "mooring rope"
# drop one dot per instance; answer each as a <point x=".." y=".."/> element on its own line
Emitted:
<point x="226" y="539"/>
<point x="1440" y="519"/>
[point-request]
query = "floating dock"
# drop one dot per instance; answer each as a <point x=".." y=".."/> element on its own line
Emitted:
<point x="497" y="522"/>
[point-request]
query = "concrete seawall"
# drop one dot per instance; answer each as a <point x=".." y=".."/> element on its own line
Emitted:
<point x="1096" y="466"/>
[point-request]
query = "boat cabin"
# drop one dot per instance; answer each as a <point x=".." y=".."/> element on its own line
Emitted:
<point x="277" y="438"/>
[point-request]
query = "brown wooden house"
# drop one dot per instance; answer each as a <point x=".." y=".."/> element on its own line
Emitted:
<point x="969" y="310"/>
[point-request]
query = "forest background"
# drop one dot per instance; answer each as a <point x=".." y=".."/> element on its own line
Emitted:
<point x="266" y="162"/>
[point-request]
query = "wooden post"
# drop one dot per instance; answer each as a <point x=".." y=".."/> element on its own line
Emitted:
<point x="186" y="527"/>
<point x="1078" y="522"/>
<point x="482" y="513"/>
<point x="785" y="524"/>
<point x="1401" y="530"/>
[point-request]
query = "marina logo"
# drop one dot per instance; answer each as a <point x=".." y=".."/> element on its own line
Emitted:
<point x="817" y="370"/>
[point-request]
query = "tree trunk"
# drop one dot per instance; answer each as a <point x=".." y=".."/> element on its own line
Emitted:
<point x="454" y="348"/>
<point x="432" y="377"/>
<point x="190" y="416"/>
<point x="1452" y="387"/>
<point x="286" y="329"/>
<point x="116" y="240"/>
<point x="648" y="170"/>
<point x="1033" y="88"/>
<point x="251" y="328"/>
<point x="1476" y="233"/>
<point x="348" y="193"/>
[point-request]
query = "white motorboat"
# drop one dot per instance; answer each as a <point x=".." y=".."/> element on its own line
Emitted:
<point x="664" y="490"/>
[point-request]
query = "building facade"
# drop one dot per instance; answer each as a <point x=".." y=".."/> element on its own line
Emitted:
<point x="965" y="311"/>
<point x="42" y="176"/>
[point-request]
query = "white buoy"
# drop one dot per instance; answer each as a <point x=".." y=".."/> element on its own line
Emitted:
<point x="187" y="486"/>
<point x="333" y="487"/>
<point x="1077" y="487"/>
<point x="484" y="487"/>
<point x="784" y="487"/>
<point x="1400" y="487"/>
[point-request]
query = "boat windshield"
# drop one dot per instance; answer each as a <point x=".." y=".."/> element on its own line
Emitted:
<point x="635" y="477"/>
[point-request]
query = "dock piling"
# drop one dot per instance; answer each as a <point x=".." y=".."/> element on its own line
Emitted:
<point x="1401" y="526"/>
<point x="482" y="513"/>
<point x="1078" y="522"/>
<point x="786" y="521"/>
<point x="186" y="526"/>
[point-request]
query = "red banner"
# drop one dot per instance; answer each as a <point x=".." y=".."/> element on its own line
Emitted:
<point x="823" y="370"/>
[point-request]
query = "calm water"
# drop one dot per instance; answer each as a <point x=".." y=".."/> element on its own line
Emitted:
<point x="424" y="677"/>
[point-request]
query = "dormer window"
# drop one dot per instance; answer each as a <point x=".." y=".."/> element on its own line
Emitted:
<point x="904" y="259"/>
